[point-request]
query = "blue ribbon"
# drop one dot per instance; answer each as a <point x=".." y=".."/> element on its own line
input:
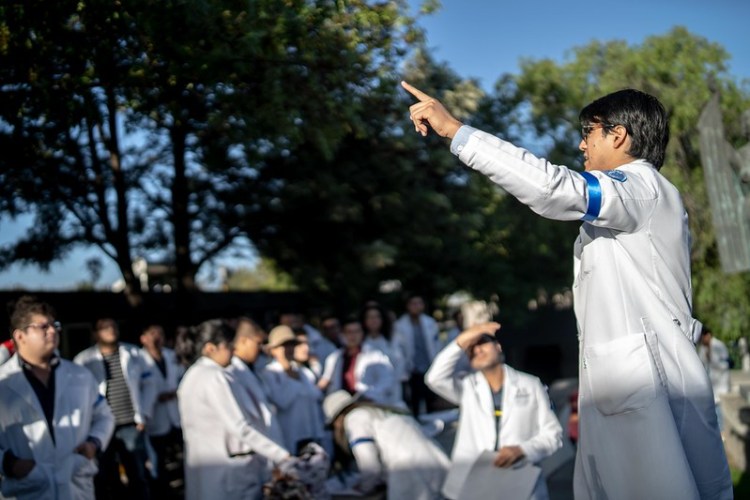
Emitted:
<point x="595" y="197"/>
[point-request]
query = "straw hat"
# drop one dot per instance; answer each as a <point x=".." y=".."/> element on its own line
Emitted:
<point x="335" y="403"/>
<point x="280" y="335"/>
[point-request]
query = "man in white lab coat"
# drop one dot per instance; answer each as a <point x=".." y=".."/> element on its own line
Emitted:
<point x="248" y="346"/>
<point x="164" y="429"/>
<point x="648" y="427"/>
<point x="416" y="337"/>
<point x="502" y="409"/>
<point x="53" y="420"/>
<point x="127" y="383"/>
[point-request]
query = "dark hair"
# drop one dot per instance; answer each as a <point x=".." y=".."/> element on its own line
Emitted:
<point x="351" y="318"/>
<point x="24" y="307"/>
<point x="642" y="115"/>
<point x="386" y="326"/>
<point x="190" y="341"/>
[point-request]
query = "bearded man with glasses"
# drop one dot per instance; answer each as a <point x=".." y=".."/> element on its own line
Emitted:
<point x="52" y="419"/>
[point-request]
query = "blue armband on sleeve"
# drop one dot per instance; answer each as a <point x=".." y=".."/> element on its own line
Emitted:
<point x="595" y="197"/>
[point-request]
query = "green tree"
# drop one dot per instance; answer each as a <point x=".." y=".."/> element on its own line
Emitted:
<point x="679" y="68"/>
<point x="136" y="127"/>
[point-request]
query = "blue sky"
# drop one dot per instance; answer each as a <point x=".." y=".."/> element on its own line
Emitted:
<point x="485" y="38"/>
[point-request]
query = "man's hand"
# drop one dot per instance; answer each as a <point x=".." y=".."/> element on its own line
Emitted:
<point x="87" y="449"/>
<point x="466" y="338"/>
<point x="429" y="111"/>
<point x="22" y="467"/>
<point x="508" y="455"/>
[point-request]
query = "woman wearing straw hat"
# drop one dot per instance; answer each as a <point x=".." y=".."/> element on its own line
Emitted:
<point x="375" y="435"/>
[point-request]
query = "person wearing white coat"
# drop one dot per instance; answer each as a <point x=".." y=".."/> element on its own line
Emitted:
<point x="361" y="369"/>
<point x="164" y="428"/>
<point x="248" y="342"/>
<point x="53" y="421"/>
<point x="296" y="397"/>
<point x="388" y="446"/>
<point x="127" y="383"/>
<point x="648" y="427"/>
<point x="501" y="409"/>
<point x="416" y="337"/>
<point x="227" y="454"/>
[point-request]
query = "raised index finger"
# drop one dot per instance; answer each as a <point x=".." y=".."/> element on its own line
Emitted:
<point x="415" y="92"/>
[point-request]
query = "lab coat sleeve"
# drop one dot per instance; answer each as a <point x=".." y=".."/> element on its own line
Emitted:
<point x="148" y="388"/>
<point x="442" y="377"/>
<point x="398" y="346"/>
<point x="621" y="202"/>
<point x="361" y="437"/>
<point x="549" y="438"/>
<point x="329" y="367"/>
<point x="102" y="419"/>
<point x="222" y="398"/>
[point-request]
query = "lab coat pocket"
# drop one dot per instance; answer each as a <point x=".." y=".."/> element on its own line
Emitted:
<point x="35" y="485"/>
<point x="620" y="374"/>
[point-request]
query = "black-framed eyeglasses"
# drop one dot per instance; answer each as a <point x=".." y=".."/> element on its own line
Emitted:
<point x="45" y="326"/>
<point x="586" y="129"/>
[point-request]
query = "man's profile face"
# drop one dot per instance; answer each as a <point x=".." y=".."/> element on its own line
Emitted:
<point x="39" y="338"/>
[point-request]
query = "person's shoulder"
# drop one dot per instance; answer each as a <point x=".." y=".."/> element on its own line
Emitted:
<point x="523" y="377"/>
<point x="85" y="355"/>
<point x="131" y="349"/>
<point x="76" y="371"/>
<point x="9" y="367"/>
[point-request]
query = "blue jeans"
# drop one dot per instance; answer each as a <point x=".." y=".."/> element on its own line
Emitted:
<point x="127" y="448"/>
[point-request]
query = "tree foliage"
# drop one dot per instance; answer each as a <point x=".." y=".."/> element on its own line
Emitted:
<point x="134" y="126"/>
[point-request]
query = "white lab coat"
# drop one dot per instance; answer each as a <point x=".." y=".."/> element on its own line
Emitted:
<point x="393" y="353"/>
<point x="137" y="377"/>
<point x="164" y="415"/>
<point x="403" y="340"/>
<point x="374" y="376"/>
<point x="390" y="446"/>
<point x="298" y="405"/>
<point x="528" y="420"/>
<point x="80" y="412"/>
<point x="248" y="381"/>
<point x="648" y="427"/>
<point x="717" y="366"/>
<point x="213" y="423"/>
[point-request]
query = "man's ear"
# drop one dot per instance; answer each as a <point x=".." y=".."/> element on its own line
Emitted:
<point x="620" y="136"/>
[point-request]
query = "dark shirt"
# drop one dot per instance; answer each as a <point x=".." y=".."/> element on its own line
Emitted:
<point x="162" y="365"/>
<point x="44" y="393"/>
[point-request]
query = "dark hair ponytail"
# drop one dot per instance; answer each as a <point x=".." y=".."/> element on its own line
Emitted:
<point x="190" y="341"/>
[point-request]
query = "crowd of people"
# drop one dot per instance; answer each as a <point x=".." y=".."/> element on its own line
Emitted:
<point x="253" y="412"/>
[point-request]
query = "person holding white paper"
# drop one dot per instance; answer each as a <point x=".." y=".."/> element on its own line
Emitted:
<point x="502" y="409"/>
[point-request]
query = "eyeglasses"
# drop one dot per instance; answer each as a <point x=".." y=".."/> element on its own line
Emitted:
<point x="44" y="327"/>
<point x="586" y="129"/>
